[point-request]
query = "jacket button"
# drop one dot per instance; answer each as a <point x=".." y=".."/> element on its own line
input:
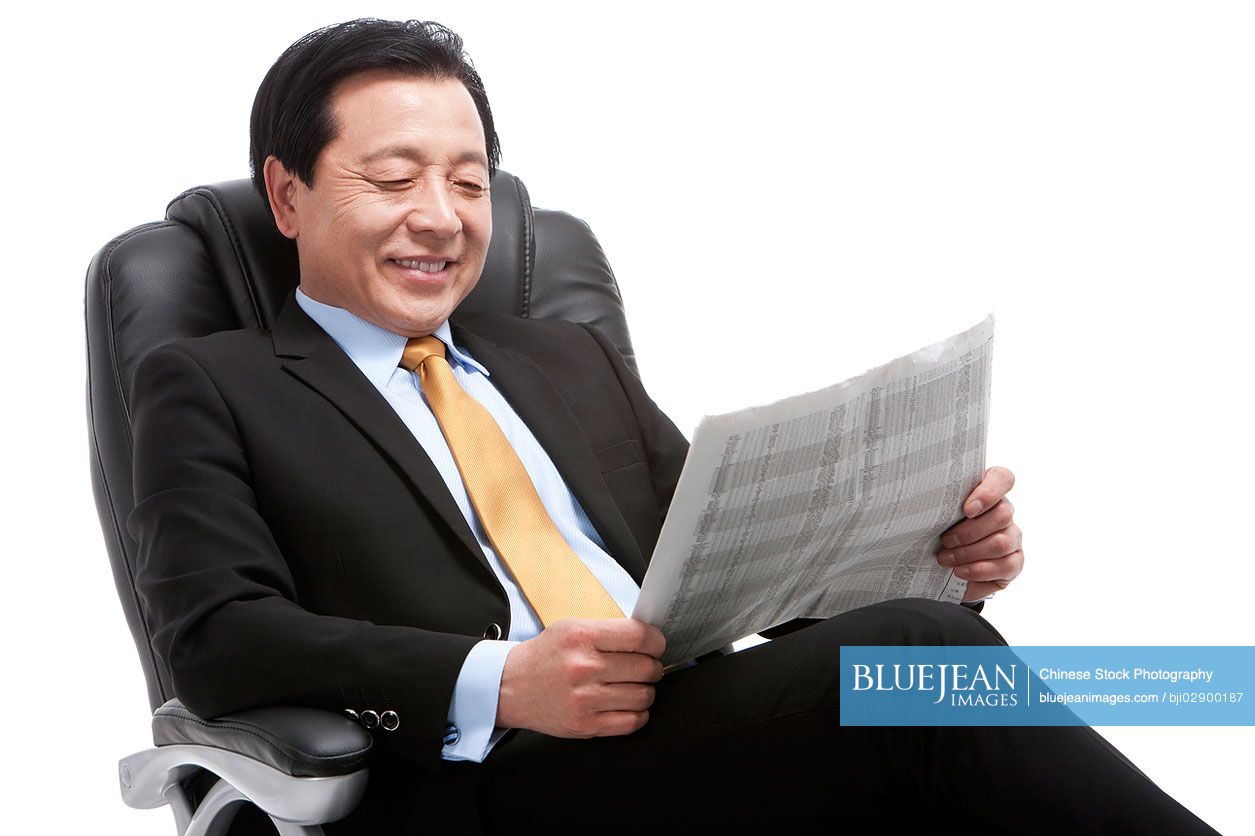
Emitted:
<point x="492" y="631"/>
<point x="389" y="721"/>
<point x="370" y="719"/>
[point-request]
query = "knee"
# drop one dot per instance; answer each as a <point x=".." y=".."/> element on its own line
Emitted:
<point x="938" y="622"/>
<point x="919" y="621"/>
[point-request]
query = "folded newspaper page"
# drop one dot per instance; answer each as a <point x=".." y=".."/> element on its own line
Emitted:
<point x="823" y="502"/>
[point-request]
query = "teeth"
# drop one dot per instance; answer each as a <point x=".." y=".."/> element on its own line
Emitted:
<point x="425" y="266"/>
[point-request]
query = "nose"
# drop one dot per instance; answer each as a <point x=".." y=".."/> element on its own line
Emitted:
<point x="432" y="210"/>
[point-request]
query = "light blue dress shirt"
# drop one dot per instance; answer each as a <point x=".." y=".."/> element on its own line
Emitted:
<point x="376" y="352"/>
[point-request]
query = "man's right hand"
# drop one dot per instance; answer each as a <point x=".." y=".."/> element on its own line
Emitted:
<point x="582" y="678"/>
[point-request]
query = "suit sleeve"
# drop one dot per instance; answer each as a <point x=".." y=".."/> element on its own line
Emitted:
<point x="220" y="601"/>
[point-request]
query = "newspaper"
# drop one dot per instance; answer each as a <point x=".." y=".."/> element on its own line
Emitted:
<point x="823" y="502"/>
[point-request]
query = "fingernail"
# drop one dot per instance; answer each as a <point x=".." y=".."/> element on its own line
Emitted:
<point x="973" y="508"/>
<point x="950" y="541"/>
<point x="946" y="558"/>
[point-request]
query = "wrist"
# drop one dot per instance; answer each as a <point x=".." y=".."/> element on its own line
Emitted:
<point x="509" y="694"/>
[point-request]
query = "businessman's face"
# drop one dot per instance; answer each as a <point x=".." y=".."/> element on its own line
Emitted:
<point x="396" y="225"/>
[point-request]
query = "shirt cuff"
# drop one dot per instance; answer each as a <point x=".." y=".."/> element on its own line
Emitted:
<point x="469" y="734"/>
<point x="978" y="604"/>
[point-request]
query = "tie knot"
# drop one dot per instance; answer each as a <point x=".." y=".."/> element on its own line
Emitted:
<point x="418" y="349"/>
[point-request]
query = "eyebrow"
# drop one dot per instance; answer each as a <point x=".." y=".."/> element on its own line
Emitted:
<point x="407" y="152"/>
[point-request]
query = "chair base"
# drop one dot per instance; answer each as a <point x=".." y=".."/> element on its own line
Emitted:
<point x="296" y="806"/>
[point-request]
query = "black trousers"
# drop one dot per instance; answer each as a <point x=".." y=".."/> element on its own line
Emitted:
<point x="752" y="740"/>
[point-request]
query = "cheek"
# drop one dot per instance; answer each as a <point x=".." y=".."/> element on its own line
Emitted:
<point x="479" y="230"/>
<point x="364" y="223"/>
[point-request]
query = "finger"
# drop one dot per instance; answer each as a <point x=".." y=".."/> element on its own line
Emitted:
<point x="1003" y="569"/>
<point x="993" y="487"/>
<point x="982" y="589"/>
<point x="623" y="696"/>
<point x="611" y="723"/>
<point x="631" y="636"/>
<point x="625" y="635"/>
<point x="632" y="667"/>
<point x="966" y="532"/>
<point x="998" y="544"/>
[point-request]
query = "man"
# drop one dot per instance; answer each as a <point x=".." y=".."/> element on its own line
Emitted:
<point x="319" y="524"/>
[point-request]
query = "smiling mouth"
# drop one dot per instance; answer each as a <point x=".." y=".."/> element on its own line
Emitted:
<point x="422" y="266"/>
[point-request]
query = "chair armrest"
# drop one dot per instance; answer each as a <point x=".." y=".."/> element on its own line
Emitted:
<point x="299" y="765"/>
<point x="301" y="742"/>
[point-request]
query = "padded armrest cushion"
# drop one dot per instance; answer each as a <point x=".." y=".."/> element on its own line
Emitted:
<point x="302" y="742"/>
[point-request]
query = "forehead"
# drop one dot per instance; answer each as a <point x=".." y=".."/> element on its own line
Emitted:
<point x="383" y="113"/>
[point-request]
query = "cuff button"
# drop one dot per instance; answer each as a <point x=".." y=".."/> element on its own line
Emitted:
<point x="389" y="721"/>
<point x="370" y="719"/>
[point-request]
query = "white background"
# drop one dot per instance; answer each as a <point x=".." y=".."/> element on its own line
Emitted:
<point x="788" y="196"/>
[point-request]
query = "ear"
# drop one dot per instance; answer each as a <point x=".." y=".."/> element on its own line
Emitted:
<point x="281" y="187"/>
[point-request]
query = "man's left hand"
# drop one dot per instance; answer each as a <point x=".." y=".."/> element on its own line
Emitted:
<point x="985" y="549"/>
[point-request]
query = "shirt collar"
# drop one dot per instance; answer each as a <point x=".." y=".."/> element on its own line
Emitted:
<point x="374" y="350"/>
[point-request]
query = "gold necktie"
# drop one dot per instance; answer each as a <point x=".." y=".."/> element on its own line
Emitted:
<point x="552" y="577"/>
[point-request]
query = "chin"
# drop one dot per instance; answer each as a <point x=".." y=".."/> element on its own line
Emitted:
<point x="420" y="327"/>
<point x="417" y="318"/>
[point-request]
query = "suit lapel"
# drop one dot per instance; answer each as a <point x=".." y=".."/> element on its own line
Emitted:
<point x="533" y="396"/>
<point x="310" y="355"/>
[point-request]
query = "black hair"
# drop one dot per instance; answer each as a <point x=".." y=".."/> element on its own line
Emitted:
<point x="292" y="116"/>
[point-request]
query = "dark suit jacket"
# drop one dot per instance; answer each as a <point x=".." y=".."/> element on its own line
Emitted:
<point x="298" y="547"/>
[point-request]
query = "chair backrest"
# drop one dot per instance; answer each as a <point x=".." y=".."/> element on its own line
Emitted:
<point x="217" y="262"/>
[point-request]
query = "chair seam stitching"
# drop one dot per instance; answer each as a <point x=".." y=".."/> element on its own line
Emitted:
<point x="528" y="231"/>
<point x="236" y="248"/>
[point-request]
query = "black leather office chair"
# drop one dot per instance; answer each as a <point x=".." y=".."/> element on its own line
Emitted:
<point x="215" y="263"/>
